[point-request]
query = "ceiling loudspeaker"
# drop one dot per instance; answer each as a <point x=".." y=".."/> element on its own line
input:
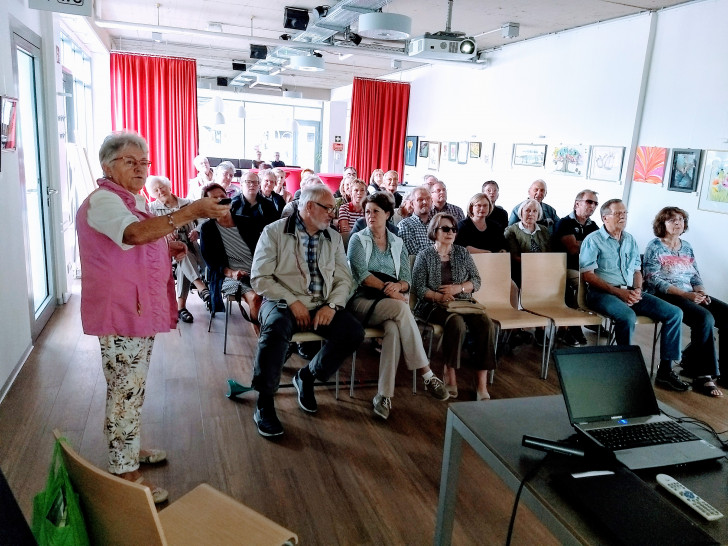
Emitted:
<point x="239" y="66"/>
<point x="295" y="18"/>
<point x="222" y="82"/>
<point x="258" y="51"/>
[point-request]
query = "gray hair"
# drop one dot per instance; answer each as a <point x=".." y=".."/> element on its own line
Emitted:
<point x="313" y="193"/>
<point x="278" y="171"/>
<point x="116" y="141"/>
<point x="156" y="178"/>
<point x="606" y="208"/>
<point x="423" y="188"/>
<point x="265" y="173"/>
<point x="528" y="202"/>
<point x="582" y="193"/>
<point x="225" y="166"/>
<point x="311" y="180"/>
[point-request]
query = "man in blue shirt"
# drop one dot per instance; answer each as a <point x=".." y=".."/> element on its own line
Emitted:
<point x="610" y="263"/>
<point x="537" y="191"/>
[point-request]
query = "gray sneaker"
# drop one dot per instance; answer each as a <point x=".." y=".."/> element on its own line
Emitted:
<point x="382" y="405"/>
<point x="436" y="388"/>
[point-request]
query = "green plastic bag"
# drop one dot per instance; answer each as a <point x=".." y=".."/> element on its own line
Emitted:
<point x="57" y="517"/>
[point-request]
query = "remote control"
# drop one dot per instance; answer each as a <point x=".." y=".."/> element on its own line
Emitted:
<point x="688" y="497"/>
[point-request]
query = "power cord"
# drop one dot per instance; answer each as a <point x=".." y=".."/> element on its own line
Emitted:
<point x="702" y="425"/>
<point x="529" y="476"/>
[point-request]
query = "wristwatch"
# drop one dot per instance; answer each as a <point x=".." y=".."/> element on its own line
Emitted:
<point x="333" y="306"/>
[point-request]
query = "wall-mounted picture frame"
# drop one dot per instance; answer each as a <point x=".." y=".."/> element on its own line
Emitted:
<point x="568" y="159"/>
<point x="410" y="151"/>
<point x="475" y="148"/>
<point x="8" y="124"/>
<point x="486" y="154"/>
<point x="463" y="152"/>
<point x="424" y="148"/>
<point x="433" y="162"/>
<point x="714" y="182"/>
<point x="529" y="155"/>
<point x="684" y="169"/>
<point x="605" y="163"/>
<point x="452" y="151"/>
<point x="649" y="164"/>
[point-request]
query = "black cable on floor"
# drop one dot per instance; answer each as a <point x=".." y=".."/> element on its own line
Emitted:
<point x="529" y="476"/>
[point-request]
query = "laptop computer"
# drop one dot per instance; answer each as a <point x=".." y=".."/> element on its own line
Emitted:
<point x="608" y="387"/>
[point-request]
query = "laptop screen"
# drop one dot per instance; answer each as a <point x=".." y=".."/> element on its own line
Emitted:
<point x="604" y="382"/>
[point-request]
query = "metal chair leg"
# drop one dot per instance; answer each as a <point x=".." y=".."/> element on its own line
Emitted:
<point x="353" y="371"/>
<point x="227" y="316"/>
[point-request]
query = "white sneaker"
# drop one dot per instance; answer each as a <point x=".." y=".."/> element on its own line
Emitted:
<point x="382" y="405"/>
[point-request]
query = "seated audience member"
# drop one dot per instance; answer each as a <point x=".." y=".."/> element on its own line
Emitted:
<point x="439" y="202"/>
<point x="442" y="273"/>
<point x="413" y="230"/>
<point x="390" y="183"/>
<point x="258" y="161"/>
<point x="280" y="188"/>
<point x="428" y="180"/>
<point x="224" y="174"/>
<point x="476" y="233"/>
<point x="292" y="206"/>
<point x="229" y="243"/>
<point x="205" y="175"/>
<point x="350" y="212"/>
<point x="568" y="236"/>
<point x="404" y="210"/>
<point x="265" y="166"/>
<point x="305" y="175"/>
<point x="549" y="217"/>
<point x="277" y="161"/>
<point x="499" y="214"/>
<point x="350" y="173"/>
<point x="268" y="182"/>
<point x="671" y="273"/>
<point x="375" y="181"/>
<point x="609" y="262"/>
<point x="380" y="267"/>
<point x="188" y="271"/>
<point x="300" y="269"/>
<point x="526" y="236"/>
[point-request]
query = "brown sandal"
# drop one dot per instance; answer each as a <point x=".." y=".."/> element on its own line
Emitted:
<point x="708" y="388"/>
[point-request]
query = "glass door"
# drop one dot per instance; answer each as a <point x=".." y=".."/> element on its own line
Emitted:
<point x="307" y="144"/>
<point x="41" y="295"/>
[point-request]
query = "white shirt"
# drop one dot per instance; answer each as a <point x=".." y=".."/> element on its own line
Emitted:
<point x="108" y="214"/>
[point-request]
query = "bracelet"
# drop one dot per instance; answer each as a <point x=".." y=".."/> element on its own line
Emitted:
<point x="462" y="288"/>
<point x="171" y="221"/>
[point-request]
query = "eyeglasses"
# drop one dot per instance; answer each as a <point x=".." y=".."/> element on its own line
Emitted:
<point x="251" y="183"/>
<point x="131" y="163"/>
<point x="675" y="220"/>
<point x="590" y="202"/>
<point x="448" y="229"/>
<point x="620" y="213"/>
<point x="329" y="210"/>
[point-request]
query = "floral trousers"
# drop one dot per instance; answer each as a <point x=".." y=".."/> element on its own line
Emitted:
<point x="126" y="363"/>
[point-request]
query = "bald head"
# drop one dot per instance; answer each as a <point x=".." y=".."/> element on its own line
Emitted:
<point x="537" y="190"/>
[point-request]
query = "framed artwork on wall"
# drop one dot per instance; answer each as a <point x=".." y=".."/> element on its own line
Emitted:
<point x="453" y="151"/>
<point x="410" y="151"/>
<point x="714" y="182"/>
<point x="568" y="159"/>
<point x="424" y="148"/>
<point x="487" y="151"/>
<point x="434" y="158"/>
<point x="649" y="164"/>
<point x="8" y="123"/>
<point x="475" y="148"/>
<point x="684" y="170"/>
<point x="605" y="163"/>
<point x="462" y="152"/>
<point x="444" y="152"/>
<point x="529" y="155"/>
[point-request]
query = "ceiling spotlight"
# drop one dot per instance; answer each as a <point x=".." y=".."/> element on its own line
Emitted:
<point x="285" y="37"/>
<point x="385" y="26"/>
<point x="258" y="51"/>
<point x="239" y="66"/>
<point x="354" y="38"/>
<point x="467" y="46"/>
<point x="219" y="119"/>
<point x="295" y="18"/>
<point x="320" y="12"/>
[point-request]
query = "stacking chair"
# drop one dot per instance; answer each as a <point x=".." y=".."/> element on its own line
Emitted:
<point x="495" y="294"/>
<point x="117" y="511"/>
<point x="543" y="284"/>
<point x="229" y="300"/>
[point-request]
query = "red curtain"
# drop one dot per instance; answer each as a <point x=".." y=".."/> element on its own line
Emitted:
<point x="157" y="98"/>
<point x="378" y="126"/>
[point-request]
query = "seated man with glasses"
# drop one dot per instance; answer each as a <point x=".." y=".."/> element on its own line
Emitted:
<point x="611" y="266"/>
<point x="301" y="271"/>
<point x="569" y="233"/>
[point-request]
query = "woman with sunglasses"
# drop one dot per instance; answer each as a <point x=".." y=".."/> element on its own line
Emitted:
<point x="442" y="273"/>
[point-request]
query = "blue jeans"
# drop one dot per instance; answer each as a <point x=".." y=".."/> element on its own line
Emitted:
<point x="343" y="335"/>
<point x="702" y="319"/>
<point x="625" y="317"/>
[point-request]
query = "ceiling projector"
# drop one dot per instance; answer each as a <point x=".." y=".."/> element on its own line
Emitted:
<point x="442" y="45"/>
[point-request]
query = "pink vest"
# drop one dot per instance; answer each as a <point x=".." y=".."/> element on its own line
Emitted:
<point x="124" y="292"/>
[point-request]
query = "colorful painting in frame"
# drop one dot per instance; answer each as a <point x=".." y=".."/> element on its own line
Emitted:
<point x="568" y="159"/>
<point x="529" y="155"/>
<point x="453" y="152"/>
<point x="433" y="162"/>
<point x="649" y="164"/>
<point x="487" y="152"/>
<point x="605" y="163"/>
<point x="475" y="148"/>
<point x="444" y="152"/>
<point x="684" y="170"/>
<point x="462" y="152"/>
<point x="424" y="148"/>
<point x="410" y="151"/>
<point x="714" y="182"/>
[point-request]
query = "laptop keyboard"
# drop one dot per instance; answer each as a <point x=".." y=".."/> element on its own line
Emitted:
<point x="650" y="434"/>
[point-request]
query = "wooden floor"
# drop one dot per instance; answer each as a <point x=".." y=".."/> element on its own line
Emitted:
<point x="339" y="477"/>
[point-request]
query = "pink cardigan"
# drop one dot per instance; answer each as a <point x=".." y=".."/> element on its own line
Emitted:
<point x="124" y="292"/>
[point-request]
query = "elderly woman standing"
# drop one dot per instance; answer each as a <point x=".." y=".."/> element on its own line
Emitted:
<point x="127" y="294"/>
<point x="442" y="273"/>
<point x="474" y="233"/>
<point x="166" y="203"/>
<point x="526" y="236"/>
<point x="380" y="266"/>
<point x="671" y="273"/>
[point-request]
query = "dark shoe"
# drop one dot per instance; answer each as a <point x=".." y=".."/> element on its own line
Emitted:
<point x="185" y="316"/>
<point x="306" y="398"/>
<point x="671" y="380"/>
<point x="308" y="349"/>
<point x="707" y="387"/>
<point x="205" y="296"/>
<point x="578" y="334"/>
<point x="567" y="338"/>
<point x="267" y="421"/>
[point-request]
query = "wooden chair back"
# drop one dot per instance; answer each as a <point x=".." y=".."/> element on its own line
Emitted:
<point x="495" y="279"/>
<point x="543" y="279"/>
<point x="116" y="511"/>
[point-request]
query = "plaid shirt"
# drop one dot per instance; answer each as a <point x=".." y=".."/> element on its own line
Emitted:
<point x="452" y="210"/>
<point x="414" y="234"/>
<point x="316" y="286"/>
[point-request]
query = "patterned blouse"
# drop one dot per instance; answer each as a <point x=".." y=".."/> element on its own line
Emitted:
<point x="664" y="267"/>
